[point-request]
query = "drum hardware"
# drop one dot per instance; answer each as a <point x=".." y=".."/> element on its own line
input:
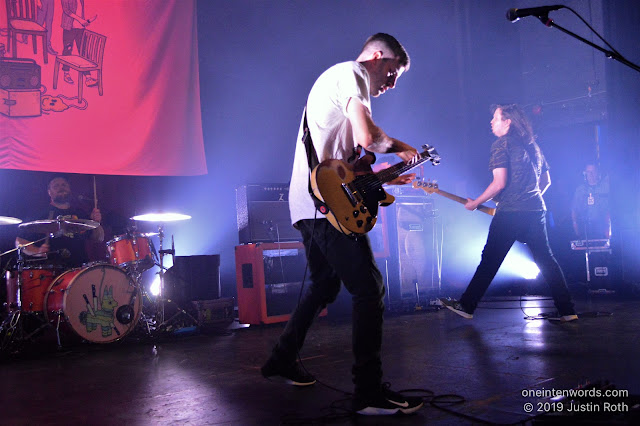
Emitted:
<point x="161" y="322"/>
<point x="164" y="323"/>
<point x="12" y="329"/>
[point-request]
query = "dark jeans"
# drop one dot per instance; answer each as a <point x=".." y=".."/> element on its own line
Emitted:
<point x="529" y="227"/>
<point x="333" y="257"/>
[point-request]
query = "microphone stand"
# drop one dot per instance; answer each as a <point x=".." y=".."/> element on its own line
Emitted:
<point x="608" y="53"/>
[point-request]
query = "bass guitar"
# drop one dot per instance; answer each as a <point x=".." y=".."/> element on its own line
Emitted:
<point x="432" y="188"/>
<point x="352" y="197"/>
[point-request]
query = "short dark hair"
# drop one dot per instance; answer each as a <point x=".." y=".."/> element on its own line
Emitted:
<point x="390" y="42"/>
<point x="520" y="125"/>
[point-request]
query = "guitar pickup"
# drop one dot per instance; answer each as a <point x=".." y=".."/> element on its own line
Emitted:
<point x="349" y="194"/>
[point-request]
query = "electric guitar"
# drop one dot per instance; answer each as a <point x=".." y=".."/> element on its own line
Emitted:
<point x="432" y="188"/>
<point x="352" y="196"/>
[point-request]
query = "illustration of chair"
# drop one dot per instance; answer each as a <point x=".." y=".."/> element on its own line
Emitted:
<point x="89" y="59"/>
<point x="21" y="19"/>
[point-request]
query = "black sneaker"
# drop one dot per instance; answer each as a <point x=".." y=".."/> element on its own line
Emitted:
<point x="454" y="306"/>
<point x="291" y="374"/>
<point x="386" y="403"/>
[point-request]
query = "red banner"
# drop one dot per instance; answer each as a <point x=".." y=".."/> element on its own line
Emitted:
<point x="118" y="93"/>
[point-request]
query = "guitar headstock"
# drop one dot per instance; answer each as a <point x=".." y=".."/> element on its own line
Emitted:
<point x="426" y="185"/>
<point x="430" y="153"/>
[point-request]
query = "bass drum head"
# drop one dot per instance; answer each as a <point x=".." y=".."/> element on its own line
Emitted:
<point x="100" y="303"/>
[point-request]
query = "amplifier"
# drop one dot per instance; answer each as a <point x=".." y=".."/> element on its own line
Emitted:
<point x="17" y="73"/>
<point x="268" y="279"/>
<point x="263" y="214"/>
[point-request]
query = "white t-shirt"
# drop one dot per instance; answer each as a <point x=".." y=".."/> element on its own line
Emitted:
<point x="330" y="129"/>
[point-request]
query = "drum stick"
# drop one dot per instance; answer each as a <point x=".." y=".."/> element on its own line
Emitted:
<point x="48" y="235"/>
<point x="95" y="194"/>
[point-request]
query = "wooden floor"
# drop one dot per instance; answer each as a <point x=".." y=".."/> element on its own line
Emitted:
<point x="469" y="371"/>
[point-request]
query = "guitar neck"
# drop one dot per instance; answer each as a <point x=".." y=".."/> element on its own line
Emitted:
<point x="484" y="209"/>
<point x="396" y="170"/>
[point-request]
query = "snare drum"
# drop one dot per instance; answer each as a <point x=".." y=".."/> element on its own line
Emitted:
<point x="35" y="284"/>
<point x="132" y="251"/>
<point x="99" y="303"/>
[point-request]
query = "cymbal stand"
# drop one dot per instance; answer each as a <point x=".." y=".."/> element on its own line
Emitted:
<point x="162" y="322"/>
<point x="135" y="275"/>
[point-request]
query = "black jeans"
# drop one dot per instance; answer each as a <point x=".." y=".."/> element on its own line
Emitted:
<point x="529" y="227"/>
<point x="333" y="257"/>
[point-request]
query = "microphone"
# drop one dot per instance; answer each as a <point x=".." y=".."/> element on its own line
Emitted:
<point x="514" y="14"/>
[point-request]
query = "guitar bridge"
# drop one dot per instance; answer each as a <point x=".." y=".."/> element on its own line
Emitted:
<point x="349" y="194"/>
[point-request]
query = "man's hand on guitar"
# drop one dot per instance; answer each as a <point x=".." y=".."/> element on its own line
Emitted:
<point x="404" y="151"/>
<point x="403" y="180"/>
<point x="471" y="205"/>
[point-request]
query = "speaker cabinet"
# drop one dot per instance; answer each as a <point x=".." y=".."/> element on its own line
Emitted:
<point x="263" y="214"/>
<point x="417" y="249"/>
<point x="193" y="278"/>
<point x="379" y="235"/>
<point x="268" y="279"/>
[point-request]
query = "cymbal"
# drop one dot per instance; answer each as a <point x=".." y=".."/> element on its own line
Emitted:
<point x="161" y="217"/>
<point x="51" y="226"/>
<point x="8" y="220"/>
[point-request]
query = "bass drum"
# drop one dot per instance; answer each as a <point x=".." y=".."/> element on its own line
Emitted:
<point x="100" y="303"/>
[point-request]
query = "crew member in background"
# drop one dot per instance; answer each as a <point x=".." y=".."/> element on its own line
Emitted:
<point x="590" y="206"/>
<point x="68" y="250"/>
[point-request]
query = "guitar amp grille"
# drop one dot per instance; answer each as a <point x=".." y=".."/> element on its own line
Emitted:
<point x="263" y="214"/>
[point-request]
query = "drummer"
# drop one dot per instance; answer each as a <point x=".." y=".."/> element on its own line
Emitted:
<point x="68" y="250"/>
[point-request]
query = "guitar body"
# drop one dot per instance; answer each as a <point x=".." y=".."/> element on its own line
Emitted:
<point x="352" y="197"/>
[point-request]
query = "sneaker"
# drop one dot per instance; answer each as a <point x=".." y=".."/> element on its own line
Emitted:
<point x="292" y="374"/>
<point x="386" y="403"/>
<point x="564" y="318"/>
<point x="454" y="306"/>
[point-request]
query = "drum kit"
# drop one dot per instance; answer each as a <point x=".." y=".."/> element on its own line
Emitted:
<point x="100" y="302"/>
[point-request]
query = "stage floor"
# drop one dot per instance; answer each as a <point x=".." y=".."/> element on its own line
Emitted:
<point x="469" y="371"/>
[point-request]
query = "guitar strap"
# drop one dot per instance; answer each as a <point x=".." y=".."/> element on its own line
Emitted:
<point x="312" y="160"/>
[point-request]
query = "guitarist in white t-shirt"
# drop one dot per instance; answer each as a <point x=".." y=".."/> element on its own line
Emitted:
<point x="339" y="120"/>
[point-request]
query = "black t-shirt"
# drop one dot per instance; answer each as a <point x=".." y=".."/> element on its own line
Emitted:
<point x="74" y="243"/>
<point x="591" y="207"/>
<point x="525" y="164"/>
